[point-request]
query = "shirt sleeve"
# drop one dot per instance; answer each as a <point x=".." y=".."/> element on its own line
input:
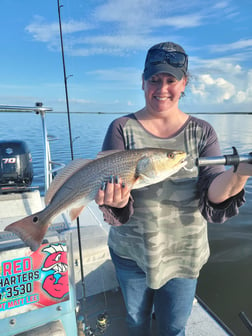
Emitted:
<point x="114" y="139"/>
<point x="215" y="213"/>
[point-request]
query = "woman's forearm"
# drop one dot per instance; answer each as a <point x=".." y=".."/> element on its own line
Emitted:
<point x="229" y="183"/>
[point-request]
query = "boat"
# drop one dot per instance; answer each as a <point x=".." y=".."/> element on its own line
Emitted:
<point x="68" y="286"/>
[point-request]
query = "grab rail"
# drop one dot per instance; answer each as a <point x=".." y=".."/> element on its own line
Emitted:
<point x="41" y="110"/>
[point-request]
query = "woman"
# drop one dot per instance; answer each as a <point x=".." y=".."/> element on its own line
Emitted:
<point x="158" y="239"/>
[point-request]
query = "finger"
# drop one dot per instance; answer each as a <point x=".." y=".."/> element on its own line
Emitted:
<point x="109" y="192"/>
<point x="125" y="190"/>
<point x="118" y="193"/>
<point x="99" y="199"/>
<point x="121" y="194"/>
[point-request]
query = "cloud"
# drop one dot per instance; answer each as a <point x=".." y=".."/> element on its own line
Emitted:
<point x="225" y="65"/>
<point x="233" y="89"/>
<point x="125" y="75"/>
<point x="80" y="101"/>
<point x="217" y="90"/>
<point x="165" y="12"/>
<point x="126" y="25"/>
<point x="43" y="31"/>
<point x="116" y="45"/>
<point x="237" y="45"/>
<point x="245" y="95"/>
<point x="118" y="80"/>
<point x="180" y="21"/>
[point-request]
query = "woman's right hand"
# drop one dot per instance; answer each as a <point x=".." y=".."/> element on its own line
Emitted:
<point x="113" y="193"/>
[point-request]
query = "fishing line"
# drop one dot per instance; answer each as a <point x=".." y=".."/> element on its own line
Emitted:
<point x="188" y="169"/>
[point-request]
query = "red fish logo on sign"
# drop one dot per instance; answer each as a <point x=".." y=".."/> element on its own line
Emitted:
<point x="56" y="283"/>
<point x="53" y="286"/>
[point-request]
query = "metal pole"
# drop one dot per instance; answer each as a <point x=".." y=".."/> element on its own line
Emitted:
<point x="227" y="160"/>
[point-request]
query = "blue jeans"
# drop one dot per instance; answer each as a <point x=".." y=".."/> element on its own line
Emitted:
<point x="172" y="303"/>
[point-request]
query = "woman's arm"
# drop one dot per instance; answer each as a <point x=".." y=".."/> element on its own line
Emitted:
<point x="114" y="197"/>
<point x="229" y="183"/>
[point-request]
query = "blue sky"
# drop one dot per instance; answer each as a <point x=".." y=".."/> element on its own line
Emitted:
<point x="105" y="44"/>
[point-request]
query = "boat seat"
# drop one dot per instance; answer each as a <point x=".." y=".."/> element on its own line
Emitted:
<point x="54" y="328"/>
<point x="15" y="206"/>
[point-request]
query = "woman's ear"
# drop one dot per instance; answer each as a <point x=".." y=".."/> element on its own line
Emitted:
<point x="142" y="82"/>
<point x="185" y="81"/>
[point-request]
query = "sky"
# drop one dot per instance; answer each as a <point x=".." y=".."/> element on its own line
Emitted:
<point x="105" y="44"/>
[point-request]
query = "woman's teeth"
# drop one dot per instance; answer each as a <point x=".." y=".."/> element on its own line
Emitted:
<point x="161" y="98"/>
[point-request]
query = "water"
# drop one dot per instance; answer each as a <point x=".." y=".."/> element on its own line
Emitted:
<point x="225" y="282"/>
<point x="88" y="132"/>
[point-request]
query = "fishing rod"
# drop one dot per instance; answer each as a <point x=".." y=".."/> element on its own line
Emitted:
<point x="71" y="148"/>
<point x="65" y="79"/>
<point x="102" y="319"/>
<point x="226" y="160"/>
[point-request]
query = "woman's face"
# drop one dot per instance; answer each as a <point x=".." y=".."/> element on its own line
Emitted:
<point x="162" y="92"/>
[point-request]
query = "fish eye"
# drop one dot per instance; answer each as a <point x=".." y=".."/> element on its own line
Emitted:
<point x="171" y="155"/>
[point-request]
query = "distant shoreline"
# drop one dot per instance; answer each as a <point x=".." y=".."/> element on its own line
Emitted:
<point x="115" y="113"/>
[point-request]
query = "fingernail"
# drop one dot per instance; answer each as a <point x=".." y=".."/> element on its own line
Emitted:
<point x="103" y="186"/>
<point x="123" y="185"/>
<point x="116" y="179"/>
<point x="111" y="179"/>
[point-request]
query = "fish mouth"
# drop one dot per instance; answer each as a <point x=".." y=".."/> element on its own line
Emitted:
<point x="188" y="163"/>
<point x="183" y="161"/>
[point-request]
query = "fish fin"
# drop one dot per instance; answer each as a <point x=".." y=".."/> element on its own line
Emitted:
<point x="108" y="152"/>
<point x="75" y="212"/>
<point x="30" y="229"/>
<point x="138" y="183"/>
<point x="63" y="175"/>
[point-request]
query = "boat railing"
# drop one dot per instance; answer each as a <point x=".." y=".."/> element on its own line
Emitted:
<point x="49" y="165"/>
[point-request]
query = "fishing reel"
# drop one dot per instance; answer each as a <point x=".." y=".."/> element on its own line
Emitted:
<point x="102" y="322"/>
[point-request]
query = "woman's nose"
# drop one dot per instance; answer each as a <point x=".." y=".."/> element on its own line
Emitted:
<point x="163" y="85"/>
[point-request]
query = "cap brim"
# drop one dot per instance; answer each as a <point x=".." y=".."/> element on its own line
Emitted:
<point x="163" y="68"/>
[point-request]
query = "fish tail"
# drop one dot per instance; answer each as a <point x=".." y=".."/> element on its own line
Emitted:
<point x="30" y="229"/>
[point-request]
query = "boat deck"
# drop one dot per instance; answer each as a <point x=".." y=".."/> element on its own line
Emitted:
<point x="100" y="293"/>
<point x="200" y="322"/>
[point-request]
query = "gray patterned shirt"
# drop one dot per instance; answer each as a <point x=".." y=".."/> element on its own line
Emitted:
<point x="165" y="225"/>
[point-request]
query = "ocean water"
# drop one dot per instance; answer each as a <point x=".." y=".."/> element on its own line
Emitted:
<point x="225" y="283"/>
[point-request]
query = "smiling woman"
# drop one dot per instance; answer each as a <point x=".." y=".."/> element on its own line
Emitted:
<point x="158" y="239"/>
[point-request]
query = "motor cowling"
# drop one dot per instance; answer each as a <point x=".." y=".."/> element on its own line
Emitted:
<point x="15" y="164"/>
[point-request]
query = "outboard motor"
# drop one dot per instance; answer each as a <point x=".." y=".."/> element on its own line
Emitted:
<point x="16" y="172"/>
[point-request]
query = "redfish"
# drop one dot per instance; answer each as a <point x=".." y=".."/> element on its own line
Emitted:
<point x="78" y="183"/>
